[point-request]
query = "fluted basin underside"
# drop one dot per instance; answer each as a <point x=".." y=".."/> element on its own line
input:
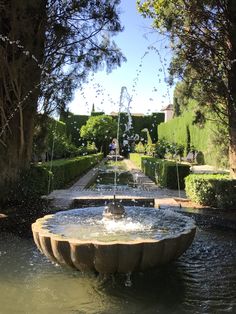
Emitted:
<point x="84" y="240"/>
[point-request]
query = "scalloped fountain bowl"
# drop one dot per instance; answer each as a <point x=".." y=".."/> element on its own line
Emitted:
<point x="85" y="240"/>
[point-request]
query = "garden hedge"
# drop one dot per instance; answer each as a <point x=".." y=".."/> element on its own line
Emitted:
<point x="43" y="178"/>
<point x="136" y="158"/>
<point x="66" y="170"/>
<point x="214" y="190"/>
<point x="75" y="122"/>
<point x="162" y="172"/>
<point x="205" y="138"/>
<point x="165" y="173"/>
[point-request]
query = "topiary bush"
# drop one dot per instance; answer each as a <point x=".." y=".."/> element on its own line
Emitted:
<point x="136" y="159"/>
<point x="214" y="190"/>
<point x="40" y="179"/>
<point x="140" y="148"/>
<point x="66" y="170"/>
<point x="165" y="173"/>
<point x="172" y="172"/>
<point x="151" y="167"/>
<point x="200" y="158"/>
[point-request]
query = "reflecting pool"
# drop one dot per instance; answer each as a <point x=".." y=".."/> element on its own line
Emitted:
<point x="202" y="280"/>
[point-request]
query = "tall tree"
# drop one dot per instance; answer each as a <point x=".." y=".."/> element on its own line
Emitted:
<point x="22" y="30"/>
<point x="47" y="49"/>
<point x="101" y="130"/>
<point x="203" y="36"/>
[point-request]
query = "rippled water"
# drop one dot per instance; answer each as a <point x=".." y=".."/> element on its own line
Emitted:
<point x="203" y="280"/>
<point x="138" y="223"/>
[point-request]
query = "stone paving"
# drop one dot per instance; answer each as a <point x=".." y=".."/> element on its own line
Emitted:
<point x="146" y="191"/>
<point x="145" y="194"/>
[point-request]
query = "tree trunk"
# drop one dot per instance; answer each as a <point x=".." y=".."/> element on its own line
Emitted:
<point x="232" y="150"/>
<point x="232" y="86"/>
<point x="22" y="21"/>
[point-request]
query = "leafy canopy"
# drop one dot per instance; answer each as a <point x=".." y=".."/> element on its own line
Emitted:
<point x="100" y="129"/>
<point x="198" y="31"/>
<point x="78" y="41"/>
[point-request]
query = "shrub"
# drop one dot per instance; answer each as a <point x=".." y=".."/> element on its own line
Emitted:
<point x="200" y="158"/>
<point x="136" y="158"/>
<point x="214" y="190"/>
<point x="150" y="166"/>
<point x="165" y="173"/>
<point x="173" y="174"/>
<point x="66" y="170"/>
<point x="150" y="149"/>
<point x="28" y="189"/>
<point x="139" y="148"/>
<point x="42" y="178"/>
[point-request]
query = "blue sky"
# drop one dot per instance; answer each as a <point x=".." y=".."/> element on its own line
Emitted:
<point x="151" y="93"/>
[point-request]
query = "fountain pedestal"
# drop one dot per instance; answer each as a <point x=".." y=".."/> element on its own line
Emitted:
<point x="114" y="209"/>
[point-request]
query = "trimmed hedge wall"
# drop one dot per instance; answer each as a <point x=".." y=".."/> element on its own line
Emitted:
<point x="181" y="130"/>
<point x="75" y="122"/>
<point x="162" y="172"/>
<point x="136" y="159"/>
<point x="65" y="171"/>
<point x="73" y="126"/>
<point x="150" y="122"/>
<point x="34" y="182"/>
<point x="214" y="190"/>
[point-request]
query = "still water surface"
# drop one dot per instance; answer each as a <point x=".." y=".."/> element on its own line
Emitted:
<point x="203" y="280"/>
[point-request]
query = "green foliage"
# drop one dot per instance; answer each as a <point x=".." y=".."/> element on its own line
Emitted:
<point x="51" y="141"/>
<point x="149" y="122"/>
<point x="184" y="20"/>
<point x="40" y="135"/>
<point x="101" y="129"/>
<point x="97" y="113"/>
<point x="66" y="170"/>
<point x="204" y="57"/>
<point x="161" y="147"/>
<point x="139" y="148"/>
<point x="212" y="190"/>
<point x="150" y="149"/>
<point x="91" y="147"/>
<point x="32" y="183"/>
<point x="40" y="179"/>
<point x="136" y="159"/>
<point x="73" y="127"/>
<point x="173" y="150"/>
<point x="165" y="173"/>
<point x="74" y="124"/>
<point x="182" y="96"/>
<point x="81" y="40"/>
<point x="209" y="140"/>
<point x="162" y="172"/>
<point x="175" y="130"/>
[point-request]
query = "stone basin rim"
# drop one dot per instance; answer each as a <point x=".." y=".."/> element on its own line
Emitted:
<point x="38" y="227"/>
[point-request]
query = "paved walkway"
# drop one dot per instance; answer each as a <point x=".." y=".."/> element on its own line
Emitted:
<point x="207" y="169"/>
<point x="146" y="192"/>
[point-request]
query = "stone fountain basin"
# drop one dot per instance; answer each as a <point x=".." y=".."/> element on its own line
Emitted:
<point x="110" y="256"/>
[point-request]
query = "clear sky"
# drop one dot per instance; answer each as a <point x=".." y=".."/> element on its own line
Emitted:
<point x="144" y="77"/>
